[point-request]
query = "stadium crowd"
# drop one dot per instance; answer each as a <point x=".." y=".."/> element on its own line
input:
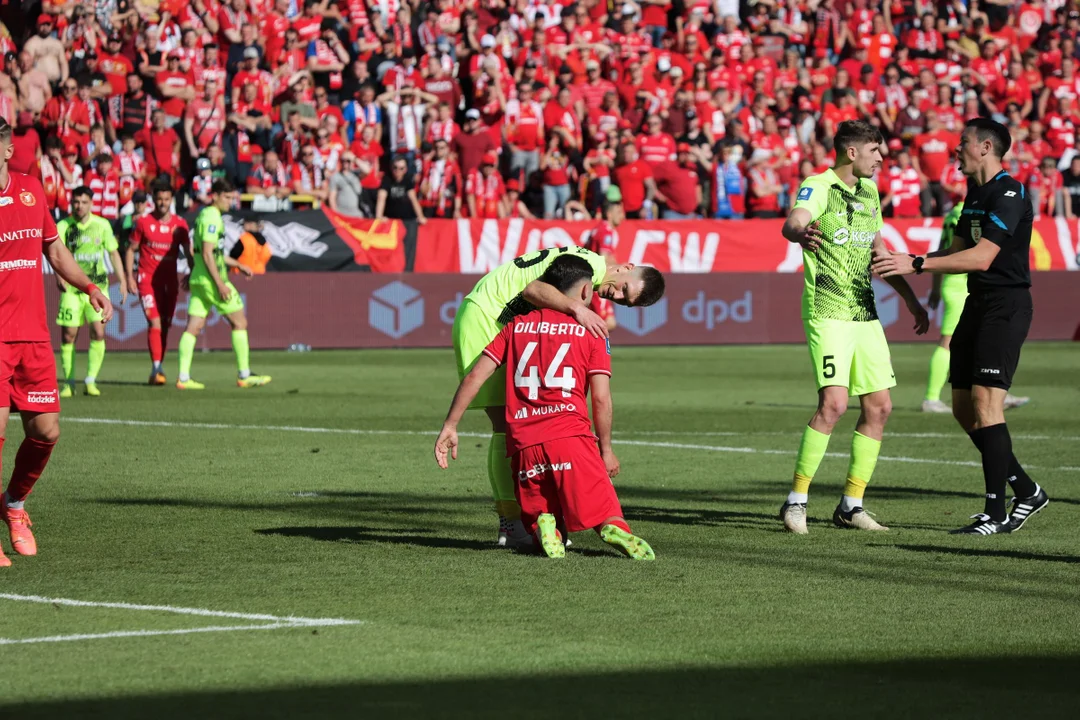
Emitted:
<point x="511" y="108"/>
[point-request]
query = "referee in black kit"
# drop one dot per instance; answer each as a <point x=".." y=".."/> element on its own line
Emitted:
<point x="991" y="243"/>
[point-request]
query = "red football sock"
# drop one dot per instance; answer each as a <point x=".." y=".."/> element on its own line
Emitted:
<point x="153" y="340"/>
<point x="30" y="462"/>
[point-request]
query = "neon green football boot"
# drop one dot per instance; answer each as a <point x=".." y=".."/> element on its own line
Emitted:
<point x="549" y="536"/>
<point x="253" y="381"/>
<point x="631" y="545"/>
<point x="189" y="385"/>
<point x="66" y="391"/>
<point x="92" y="390"/>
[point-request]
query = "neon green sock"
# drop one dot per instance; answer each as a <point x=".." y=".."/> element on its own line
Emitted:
<point x="97" y="356"/>
<point x="67" y="361"/>
<point x="939" y="373"/>
<point x="501" y="479"/>
<point x="243" y="352"/>
<point x="186" y="350"/>
<point x="864" y="455"/>
<point x="811" y="451"/>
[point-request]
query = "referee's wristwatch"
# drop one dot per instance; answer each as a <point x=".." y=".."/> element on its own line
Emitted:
<point x="917" y="263"/>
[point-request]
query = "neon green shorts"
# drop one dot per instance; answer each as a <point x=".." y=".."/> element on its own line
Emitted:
<point x="204" y="296"/>
<point x="847" y="354"/>
<point x="473" y="331"/>
<point x="76" y="310"/>
<point x="952" y="300"/>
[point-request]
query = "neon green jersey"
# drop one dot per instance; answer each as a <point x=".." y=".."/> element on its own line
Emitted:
<point x="90" y="242"/>
<point x="838" y="284"/>
<point x="209" y="230"/>
<point x="957" y="283"/>
<point x="498" y="293"/>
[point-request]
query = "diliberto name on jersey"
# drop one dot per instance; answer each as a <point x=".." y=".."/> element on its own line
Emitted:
<point x="857" y="238"/>
<point x="546" y="328"/>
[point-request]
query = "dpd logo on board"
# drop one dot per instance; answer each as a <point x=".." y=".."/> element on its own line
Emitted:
<point x="396" y="309"/>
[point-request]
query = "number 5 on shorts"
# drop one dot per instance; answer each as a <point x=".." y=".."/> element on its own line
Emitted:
<point x="828" y="367"/>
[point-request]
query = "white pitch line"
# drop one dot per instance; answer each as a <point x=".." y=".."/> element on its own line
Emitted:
<point x="145" y="633"/>
<point x="201" y="612"/>
<point x="640" y="443"/>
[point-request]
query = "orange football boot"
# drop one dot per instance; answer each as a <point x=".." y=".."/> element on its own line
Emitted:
<point x="18" y="522"/>
<point x="157" y="378"/>
<point x="4" y="561"/>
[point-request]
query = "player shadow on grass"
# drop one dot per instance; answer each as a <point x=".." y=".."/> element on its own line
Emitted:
<point x="1042" y="686"/>
<point x="398" y="536"/>
<point x="1009" y="554"/>
<point x="886" y="492"/>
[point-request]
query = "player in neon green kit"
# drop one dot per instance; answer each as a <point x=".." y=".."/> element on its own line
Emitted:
<point x="90" y="239"/>
<point x="515" y="289"/>
<point x="837" y="221"/>
<point x="210" y="288"/>
<point x="952" y="290"/>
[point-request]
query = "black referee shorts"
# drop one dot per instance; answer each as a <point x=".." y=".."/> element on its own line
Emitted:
<point x="987" y="341"/>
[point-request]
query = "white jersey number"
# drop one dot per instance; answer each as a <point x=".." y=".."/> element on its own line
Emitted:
<point x="528" y="376"/>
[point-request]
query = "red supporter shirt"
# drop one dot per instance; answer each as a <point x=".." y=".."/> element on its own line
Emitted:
<point x="549" y="359"/>
<point x="604" y="238"/>
<point x="656" y="148"/>
<point x="174" y="106"/>
<point x="158" y="147"/>
<point x="208" y="120"/>
<point x="158" y="240"/>
<point x="631" y="181"/>
<point x="26" y="230"/>
<point x="905" y="188"/>
<point x="115" y="68"/>
<point x="106" y="189"/>
<point x="679" y="185"/>
<point x="935" y="151"/>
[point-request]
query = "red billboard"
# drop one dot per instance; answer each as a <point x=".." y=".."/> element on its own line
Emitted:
<point x="367" y="310"/>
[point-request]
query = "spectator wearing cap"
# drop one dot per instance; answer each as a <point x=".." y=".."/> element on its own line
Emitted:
<point x="901" y="186"/>
<point x="26" y="146"/>
<point x="249" y="74"/>
<point x="484" y="189"/>
<point x="678" y="186"/>
<point x="270" y="183"/>
<point x="487" y="62"/>
<point x="327" y="58"/>
<point x="67" y="115"/>
<point x="104" y="182"/>
<point x="204" y="121"/>
<point x="441" y="184"/>
<point x="634" y="178"/>
<point x="473" y="143"/>
<point x="176" y="88"/>
<point x="595" y="87"/>
<point x="345" y="188"/>
<point x="47" y="52"/>
<point x="524" y="132"/>
<point x="396" y="198"/>
<point x="764" y="187"/>
<point x="161" y="146"/>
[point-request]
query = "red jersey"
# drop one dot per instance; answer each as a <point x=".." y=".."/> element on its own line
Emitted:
<point x="656" y="148"/>
<point x="27" y="230"/>
<point x="159" y="241"/>
<point x="905" y="188"/>
<point x="631" y="180"/>
<point x="603" y="238"/>
<point x="935" y="151"/>
<point x="549" y="359"/>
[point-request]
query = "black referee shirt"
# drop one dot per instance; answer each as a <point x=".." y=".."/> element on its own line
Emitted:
<point x="999" y="212"/>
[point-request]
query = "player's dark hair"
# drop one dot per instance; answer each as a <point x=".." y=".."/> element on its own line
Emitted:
<point x="987" y="129"/>
<point x="221" y="185"/>
<point x="5" y="130"/>
<point x="82" y="191"/>
<point x="162" y="183"/>
<point x="852" y="133"/>
<point x="566" y="272"/>
<point x="652" y="288"/>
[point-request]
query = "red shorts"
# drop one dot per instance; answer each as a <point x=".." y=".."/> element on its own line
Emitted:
<point x="158" y="296"/>
<point x="28" y="377"/>
<point x="566" y="478"/>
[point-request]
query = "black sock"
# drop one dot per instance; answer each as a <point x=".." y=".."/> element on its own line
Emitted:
<point x="996" y="447"/>
<point x="1022" y="484"/>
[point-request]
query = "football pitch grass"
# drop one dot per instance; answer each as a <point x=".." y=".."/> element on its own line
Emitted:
<point x="293" y="551"/>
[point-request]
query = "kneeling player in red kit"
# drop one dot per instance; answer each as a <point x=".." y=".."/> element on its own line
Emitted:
<point x="563" y="477"/>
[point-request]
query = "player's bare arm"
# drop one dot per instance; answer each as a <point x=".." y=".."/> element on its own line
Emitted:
<point x="602" y="408"/>
<point x="542" y="295"/>
<point x="244" y="269"/>
<point x="212" y="271"/>
<point x="974" y="259"/>
<point x="447" y="443"/>
<point x="900" y="285"/>
<point x="129" y="262"/>
<point x="121" y="276"/>
<point x="65" y="266"/>
<point x="800" y="228"/>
